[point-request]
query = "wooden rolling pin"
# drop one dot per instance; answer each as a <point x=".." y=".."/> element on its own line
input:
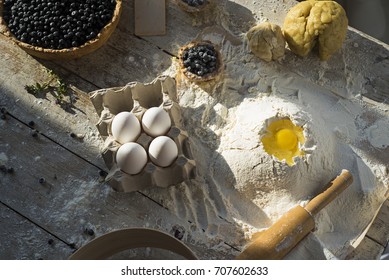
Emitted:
<point x="278" y="240"/>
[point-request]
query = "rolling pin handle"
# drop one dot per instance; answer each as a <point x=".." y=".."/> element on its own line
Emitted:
<point x="336" y="186"/>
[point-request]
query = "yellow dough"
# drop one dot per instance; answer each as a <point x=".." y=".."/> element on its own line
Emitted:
<point x="266" y="41"/>
<point x="316" y="22"/>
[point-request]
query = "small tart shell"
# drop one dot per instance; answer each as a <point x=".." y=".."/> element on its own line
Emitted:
<point x="196" y="78"/>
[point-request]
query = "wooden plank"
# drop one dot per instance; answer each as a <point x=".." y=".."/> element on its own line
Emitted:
<point x="376" y="238"/>
<point x="18" y="69"/>
<point x="123" y="59"/>
<point x="367" y="250"/>
<point x="21" y="239"/>
<point x="71" y="198"/>
<point x="379" y="229"/>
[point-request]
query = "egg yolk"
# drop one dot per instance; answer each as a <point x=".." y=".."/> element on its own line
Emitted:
<point x="282" y="140"/>
<point x="286" y="139"/>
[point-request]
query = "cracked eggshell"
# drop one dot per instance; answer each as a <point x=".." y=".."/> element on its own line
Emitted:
<point x="125" y="127"/>
<point x="163" y="151"/>
<point x="131" y="158"/>
<point x="156" y="121"/>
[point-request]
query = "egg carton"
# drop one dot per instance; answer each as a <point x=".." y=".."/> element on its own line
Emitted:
<point x="136" y="98"/>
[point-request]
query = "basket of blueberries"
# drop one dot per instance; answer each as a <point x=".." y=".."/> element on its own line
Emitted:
<point x="65" y="29"/>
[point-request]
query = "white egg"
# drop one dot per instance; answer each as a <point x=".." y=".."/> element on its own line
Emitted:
<point x="163" y="151"/>
<point x="131" y="158"/>
<point x="125" y="127"/>
<point x="156" y="121"/>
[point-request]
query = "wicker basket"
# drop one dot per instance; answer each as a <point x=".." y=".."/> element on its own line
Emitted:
<point x="195" y="78"/>
<point x="70" y="53"/>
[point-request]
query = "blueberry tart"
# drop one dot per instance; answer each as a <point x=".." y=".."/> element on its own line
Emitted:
<point x="200" y="61"/>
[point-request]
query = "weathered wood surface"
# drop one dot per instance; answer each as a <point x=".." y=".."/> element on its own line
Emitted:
<point x="76" y="198"/>
<point x="71" y="197"/>
<point x="22" y="239"/>
<point x="58" y="124"/>
<point x="367" y="250"/>
<point x="376" y="238"/>
<point x="379" y="230"/>
<point x="17" y="70"/>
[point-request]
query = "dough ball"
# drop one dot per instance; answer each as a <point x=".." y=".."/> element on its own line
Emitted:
<point x="316" y="22"/>
<point x="266" y="41"/>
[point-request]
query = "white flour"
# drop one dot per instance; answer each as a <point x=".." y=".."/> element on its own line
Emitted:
<point x="242" y="183"/>
<point x="378" y="134"/>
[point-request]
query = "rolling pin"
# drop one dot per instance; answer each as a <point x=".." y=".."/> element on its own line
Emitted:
<point x="278" y="240"/>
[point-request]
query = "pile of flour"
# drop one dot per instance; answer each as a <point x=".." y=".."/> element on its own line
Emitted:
<point x="226" y="120"/>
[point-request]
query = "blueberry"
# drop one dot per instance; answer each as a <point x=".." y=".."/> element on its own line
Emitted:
<point x="194" y="3"/>
<point x="89" y="231"/>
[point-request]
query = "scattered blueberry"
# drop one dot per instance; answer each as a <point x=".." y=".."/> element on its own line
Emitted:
<point x="31" y="123"/>
<point x="73" y="135"/>
<point x="201" y="59"/>
<point x="42" y="180"/>
<point x="194" y="3"/>
<point x="3" y="117"/>
<point x="102" y="173"/>
<point x="178" y="232"/>
<point x="3" y="168"/>
<point x="34" y="134"/>
<point x="50" y="241"/>
<point x="89" y="231"/>
<point x="10" y="170"/>
<point x="57" y="24"/>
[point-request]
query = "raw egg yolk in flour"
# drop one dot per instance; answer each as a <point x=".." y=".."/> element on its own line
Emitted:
<point x="282" y="140"/>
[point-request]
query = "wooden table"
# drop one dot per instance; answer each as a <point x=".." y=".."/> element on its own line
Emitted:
<point x="49" y="219"/>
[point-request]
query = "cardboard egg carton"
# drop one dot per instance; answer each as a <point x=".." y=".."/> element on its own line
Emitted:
<point x="137" y="98"/>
